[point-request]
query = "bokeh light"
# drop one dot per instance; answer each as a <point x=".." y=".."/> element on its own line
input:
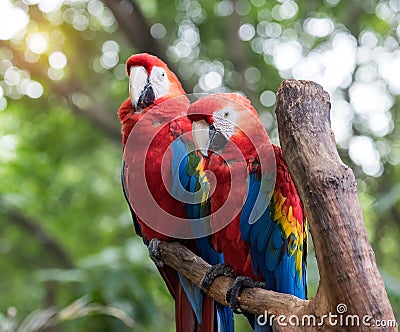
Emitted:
<point x="319" y="27"/>
<point x="268" y="98"/>
<point x="8" y="145"/>
<point x="158" y="31"/>
<point x="210" y="81"/>
<point x="37" y="42"/>
<point x="246" y="32"/>
<point x="55" y="74"/>
<point x="57" y="60"/>
<point x="12" y="20"/>
<point x="224" y="8"/>
<point x="34" y="90"/>
<point x="369" y="159"/>
<point x="286" y="55"/>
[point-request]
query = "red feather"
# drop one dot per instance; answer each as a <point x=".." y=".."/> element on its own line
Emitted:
<point x="154" y="154"/>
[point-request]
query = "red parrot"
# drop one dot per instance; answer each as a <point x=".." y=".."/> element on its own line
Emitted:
<point x="153" y="119"/>
<point x="266" y="241"/>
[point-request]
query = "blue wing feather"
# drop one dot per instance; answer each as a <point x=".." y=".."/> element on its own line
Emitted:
<point x="194" y="295"/>
<point x="182" y="184"/>
<point x="269" y="248"/>
<point x="269" y="252"/>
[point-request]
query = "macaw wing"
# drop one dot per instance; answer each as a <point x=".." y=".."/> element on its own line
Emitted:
<point x="277" y="239"/>
<point x="138" y="229"/>
<point x="190" y="184"/>
<point x="262" y="193"/>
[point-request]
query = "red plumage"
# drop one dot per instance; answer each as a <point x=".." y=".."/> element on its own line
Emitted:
<point x="249" y="248"/>
<point x="164" y="109"/>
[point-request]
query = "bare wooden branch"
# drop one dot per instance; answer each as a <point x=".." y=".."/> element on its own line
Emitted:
<point x="254" y="301"/>
<point x="346" y="262"/>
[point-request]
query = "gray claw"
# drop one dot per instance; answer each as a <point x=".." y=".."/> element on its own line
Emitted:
<point x="154" y="252"/>
<point x="214" y="272"/>
<point x="233" y="292"/>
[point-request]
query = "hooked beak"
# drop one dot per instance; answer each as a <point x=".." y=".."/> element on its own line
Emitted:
<point x="140" y="89"/>
<point x="146" y="97"/>
<point x="200" y="132"/>
<point x="206" y="137"/>
<point x="217" y="139"/>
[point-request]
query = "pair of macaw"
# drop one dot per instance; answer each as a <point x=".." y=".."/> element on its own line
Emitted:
<point x="234" y="218"/>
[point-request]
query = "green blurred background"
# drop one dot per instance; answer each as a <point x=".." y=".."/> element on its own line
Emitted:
<point x="67" y="243"/>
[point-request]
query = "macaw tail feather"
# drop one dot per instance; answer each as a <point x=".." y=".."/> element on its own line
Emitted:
<point x="225" y="318"/>
<point x="185" y="318"/>
<point x="205" y="309"/>
<point x="194" y="295"/>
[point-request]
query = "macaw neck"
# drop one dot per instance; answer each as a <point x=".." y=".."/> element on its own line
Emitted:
<point x="244" y="144"/>
<point x="163" y="110"/>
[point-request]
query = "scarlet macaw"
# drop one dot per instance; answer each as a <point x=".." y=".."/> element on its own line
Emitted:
<point x="266" y="240"/>
<point x="152" y="119"/>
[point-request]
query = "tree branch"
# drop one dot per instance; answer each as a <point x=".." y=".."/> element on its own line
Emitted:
<point x="254" y="301"/>
<point x="346" y="262"/>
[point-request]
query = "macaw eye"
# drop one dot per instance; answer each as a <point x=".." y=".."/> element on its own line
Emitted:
<point x="226" y="114"/>
<point x="159" y="80"/>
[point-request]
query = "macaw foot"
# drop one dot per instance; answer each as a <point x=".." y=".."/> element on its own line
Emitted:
<point x="214" y="272"/>
<point x="154" y="252"/>
<point x="233" y="292"/>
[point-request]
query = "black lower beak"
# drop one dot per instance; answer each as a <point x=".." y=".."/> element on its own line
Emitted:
<point x="217" y="139"/>
<point x="147" y="97"/>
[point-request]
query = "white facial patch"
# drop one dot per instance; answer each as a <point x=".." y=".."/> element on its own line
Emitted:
<point x="137" y="81"/>
<point x="225" y="121"/>
<point x="159" y="81"/>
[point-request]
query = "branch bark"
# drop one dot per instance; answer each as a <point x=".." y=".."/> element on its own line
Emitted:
<point x="254" y="301"/>
<point x="328" y="189"/>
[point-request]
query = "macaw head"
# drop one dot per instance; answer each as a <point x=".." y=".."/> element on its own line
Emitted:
<point x="150" y="83"/>
<point x="217" y="119"/>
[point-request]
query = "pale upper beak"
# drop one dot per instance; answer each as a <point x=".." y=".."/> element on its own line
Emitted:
<point x="201" y="137"/>
<point x="140" y="89"/>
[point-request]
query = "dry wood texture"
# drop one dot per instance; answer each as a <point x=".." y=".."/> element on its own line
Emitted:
<point x="346" y="262"/>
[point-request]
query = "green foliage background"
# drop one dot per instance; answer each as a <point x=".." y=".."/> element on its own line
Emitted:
<point x="66" y="230"/>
